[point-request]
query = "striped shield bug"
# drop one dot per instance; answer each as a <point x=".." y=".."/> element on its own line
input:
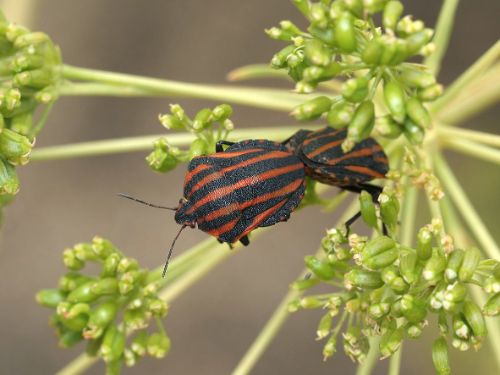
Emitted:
<point x="251" y="184"/>
<point x="324" y="160"/>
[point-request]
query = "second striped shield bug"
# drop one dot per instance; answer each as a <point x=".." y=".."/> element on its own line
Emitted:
<point x="250" y="184"/>
<point x="324" y="160"/>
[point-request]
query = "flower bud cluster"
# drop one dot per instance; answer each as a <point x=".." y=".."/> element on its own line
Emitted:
<point x="342" y="41"/>
<point x="104" y="309"/>
<point x="209" y="126"/>
<point x="30" y="68"/>
<point x="391" y="289"/>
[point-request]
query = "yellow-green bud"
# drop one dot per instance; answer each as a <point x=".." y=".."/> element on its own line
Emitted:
<point x="440" y="356"/>
<point x="392" y="12"/>
<point x="340" y="115"/>
<point x="345" y="33"/>
<point x="470" y="262"/>
<point x="395" y="100"/>
<point x="16" y="148"/>
<point x="367" y="208"/>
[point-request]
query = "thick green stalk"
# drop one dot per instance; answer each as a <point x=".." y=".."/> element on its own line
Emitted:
<point x="467" y="210"/>
<point x="277" y="320"/>
<point x="372" y="357"/>
<point x="256" y="71"/>
<point x="450" y="132"/>
<point x="472" y="148"/>
<point x="444" y="28"/>
<point x="145" y="143"/>
<point x="395" y="362"/>
<point x="474" y="71"/>
<point x="263" y="98"/>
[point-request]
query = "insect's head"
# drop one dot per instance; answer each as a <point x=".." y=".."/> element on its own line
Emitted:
<point x="183" y="216"/>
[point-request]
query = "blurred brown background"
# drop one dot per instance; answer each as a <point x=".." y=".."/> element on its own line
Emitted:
<point x="65" y="202"/>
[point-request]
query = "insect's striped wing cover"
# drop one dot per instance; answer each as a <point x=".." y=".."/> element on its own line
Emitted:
<point x="250" y="184"/>
<point x="325" y="161"/>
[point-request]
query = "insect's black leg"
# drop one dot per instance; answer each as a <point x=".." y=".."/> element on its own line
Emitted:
<point x="219" y="144"/>
<point x="351" y="221"/>
<point x="244" y="240"/>
<point x="374" y="191"/>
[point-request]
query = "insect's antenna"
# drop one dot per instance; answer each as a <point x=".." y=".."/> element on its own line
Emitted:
<point x="144" y="202"/>
<point x="170" y="251"/>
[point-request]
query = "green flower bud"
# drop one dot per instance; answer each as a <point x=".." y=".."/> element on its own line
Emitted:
<point x="374" y="6"/>
<point x="83" y="293"/>
<point x="72" y="280"/>
<point x="128" y="281"/>
<point x="30" y="38"/>
<point x="37" y="78"/>
<point x="171" y="122"/>
<point x="492" y="306"/>
<point x="9" y="182"/>
<point x="324" y="326"/>
<point x="413" y="309"/>
<point x="417" y="78"/>
<point x="475" y="320"/>
<point x="198" y="147"/>
<point x="105" y="286"/>
<point x="158" y="345"/>
<point x="389" y="209"/>
<point x="379" y="310"/>
<point x="136" y="318"/>
<point x="418" y="113"/>
<point x="76" y="310"/>
<point x="419" y="39"/>
<point x="408" y="265"/>
<point x="317" y="53"/>
<point x="367" y="208"/>
<point x="10" y="99"/>
<point x="71" y="261"/>
<point x="312" y="109"/>
<point x="222" y="112"/>
<point x="435" y="266"/>
<point x="389" y="274"/>
<point x="50" y="297"/>
<point x="99" y="319"/>
<point x="395" y="100"/>
<point x="319" y="74"/>
<point x="162" y="159"/>
<point x="414" y="331"/>
<point x="279" y="60"/>
<point x="202" y="119"/>
<point x="85" y="252"/>
<point x="93" y="346"/>
<point x="69" y="338"/>
<point x="311" y="302"/>
<point x="381" y="260"/>
<point x="354" y="6"/>
<point x="279" y="34"/>
<point x="424" y="243"/>
<point x="362" y="122"/>
<point x="130" y="357"/>
<point x="356" y="344"/>
<point x="440" y="356"/>
<point x="377" y="246"/>
<point x="392" y="12"/>
<point x="453" y="294"/>
<point x="111" y="264"/>
<point x="345" y="33"/>
<point x="391" y="341"/>
<point x="340" y="115"/>
<point x="139" y="343"/>
<point x="330" y="347"/>
<point x="355" y="89"/>
<point x="390" y="50"/>
<point x="157" y="307"/>
<point x="22" y="123"/>
<point x="491" y="284"/>
<point x="113" y="344"/>
<point x="304" y="284"/>
<point x="443" y="323"/>
<point x="327" y="35"/>
<point x="413" y="132"/>
<point x="455" y="260"/>
<point x="372" y="54"/>
<point x="25" y="61"/>
<point x="75" y="323"/>
<point x="15" y="147"/>
<point x="320" y="268"/>
<point x="398" y="285"/>
<point x="48" y="94"/>
<point x="470" y="262"/>
<point x="362" y="279"/>
<point x="103" y="247"/>
<point x="430" y="93"/>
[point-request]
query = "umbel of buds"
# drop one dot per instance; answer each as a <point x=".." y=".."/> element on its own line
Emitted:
<point x="343" y="41"/>
<point x="30" y="68"/>
<point x="391" y="290"/>
<point x="111" y="311"/>
<point x="208" y="126"/>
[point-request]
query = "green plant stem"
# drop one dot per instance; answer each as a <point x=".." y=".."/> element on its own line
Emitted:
<point x="263" y="98"/>
<point x="454" y="226"/>
<point x="408" y="214"/>
<point x="78" y="365"/>
<point x="442" y="35"/>
<point x="256" y="71"/>
<point x="372" y="357"/>
<point x="479" y="95"/>
<point x="467" y="210"/>
<point x="278" y="318"/>
<point x="395" y="362"/>
<point x="472" y="148"/>
<point x="41" y="122"/>
<point x="447" y="132"/>
<point x="145" y="143"/>
<point x="475" y="70"/>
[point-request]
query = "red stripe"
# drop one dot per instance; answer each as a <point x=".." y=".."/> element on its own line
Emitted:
<point x="323" y="148"/>
<point x="198" y="169"/>
<point x="224" y="228"/>
<point x="364" y="170"/>
<point x="252" y="180"/>
<point x="358" y="153"/>
<point x="314" y="138"/>
<point x="232" y="154"/>
<point x="261" y="217"/>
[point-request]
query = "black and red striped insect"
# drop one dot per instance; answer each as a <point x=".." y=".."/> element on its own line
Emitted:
<point x="325" y="161"/>
<point x="251" y="184"/>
